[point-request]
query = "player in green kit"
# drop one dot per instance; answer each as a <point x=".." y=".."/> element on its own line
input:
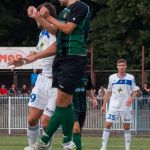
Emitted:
<point x="83" y="89"/>
<point x="69" y="65"/>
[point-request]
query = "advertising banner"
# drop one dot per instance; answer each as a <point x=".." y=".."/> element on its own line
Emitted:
<point x="9" y="53"/>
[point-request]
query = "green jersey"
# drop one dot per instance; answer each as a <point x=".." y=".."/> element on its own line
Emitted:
<point x="74" y="43"/>
<point x="79" y="96"/>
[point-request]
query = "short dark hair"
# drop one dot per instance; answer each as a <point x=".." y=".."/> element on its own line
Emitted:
<point x="121" y="61"/>
<point x="50" y="7"/>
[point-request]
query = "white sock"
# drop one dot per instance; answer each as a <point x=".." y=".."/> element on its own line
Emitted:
<point x="33" y="134"/>
<point x="105" y="137"/>
<point x="50" y="142"/>
<point x="127" y="135"/>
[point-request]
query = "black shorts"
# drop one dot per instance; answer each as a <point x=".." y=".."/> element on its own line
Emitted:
<point x="67" y="72"/>
<point x="79" y="117"/>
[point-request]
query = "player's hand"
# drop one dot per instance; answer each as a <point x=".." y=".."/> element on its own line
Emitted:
<point x="15" y="63"/>
<point x="32" y="12"/>
<point x="94" y="102"/>
<point x="44" y="12"/>
<point x="103" y="108"/>
<point x="129" y="102"/>
<point x="29" y="59"/>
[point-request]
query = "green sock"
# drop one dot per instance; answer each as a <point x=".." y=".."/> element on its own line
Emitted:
<point x="53" y="124"/>
<point x="67" y="124"/>
<point x="77" y="140"/>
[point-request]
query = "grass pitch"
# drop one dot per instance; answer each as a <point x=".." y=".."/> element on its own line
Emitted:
<point x="89" y="143"/>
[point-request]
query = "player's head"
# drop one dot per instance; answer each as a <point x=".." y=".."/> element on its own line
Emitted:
<point x="121" y="65"/>
<point x="51" y="9"/>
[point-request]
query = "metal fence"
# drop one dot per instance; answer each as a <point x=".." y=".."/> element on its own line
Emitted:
<point x="13" y="115"/>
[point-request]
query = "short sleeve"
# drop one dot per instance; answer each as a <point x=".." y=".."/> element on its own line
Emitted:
<point x="134" y="86"/>
<point x="78" y="12"/>
<point x="109" y="88"/>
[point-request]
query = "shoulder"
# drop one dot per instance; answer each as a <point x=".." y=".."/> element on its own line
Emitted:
<point x="113" y="76"/>
<point x="44" y="33"/>
<point x="130" y="76"/>
<point x="81" y="6"/>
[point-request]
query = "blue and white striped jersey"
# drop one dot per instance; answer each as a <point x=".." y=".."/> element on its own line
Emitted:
<point x="121" y="89"/>
<point x="45" y="40"/>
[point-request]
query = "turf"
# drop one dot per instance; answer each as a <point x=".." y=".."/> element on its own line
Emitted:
<point x="89" y="143"/>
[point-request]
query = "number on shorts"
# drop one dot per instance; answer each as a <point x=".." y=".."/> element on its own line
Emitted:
<point x="112" y="117"/>
<point x="32" y="97"/>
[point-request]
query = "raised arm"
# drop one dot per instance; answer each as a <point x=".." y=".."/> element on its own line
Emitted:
<point x="34" y="14"/>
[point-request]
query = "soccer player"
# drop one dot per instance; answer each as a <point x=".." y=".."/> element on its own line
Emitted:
<point x="68" y="67"/>
<point x="83" y="89"/>
<point x="43" y="97"/>
<point x="121" y="92"/>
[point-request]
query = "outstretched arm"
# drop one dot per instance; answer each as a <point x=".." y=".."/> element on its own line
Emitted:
<point x="50" y="51"/>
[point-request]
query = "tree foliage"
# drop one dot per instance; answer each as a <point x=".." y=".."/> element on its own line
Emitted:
<point x="119" y="31"/>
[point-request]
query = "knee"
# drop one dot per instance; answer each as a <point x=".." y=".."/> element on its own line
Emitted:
<point x="76" y="128"/>
<point x="108" y="125"/>
<point x="126" y="127"/>
<point x="32" y="121"/>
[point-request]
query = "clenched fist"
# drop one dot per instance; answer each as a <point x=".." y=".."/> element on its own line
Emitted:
<point x="32" y="11"/>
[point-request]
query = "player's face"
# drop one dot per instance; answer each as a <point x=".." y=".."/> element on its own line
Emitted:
<point x="121" y="67"/>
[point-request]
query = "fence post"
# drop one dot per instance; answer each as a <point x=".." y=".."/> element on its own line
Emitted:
<point x="9" y="115"/>
<point x="136" y="116"/>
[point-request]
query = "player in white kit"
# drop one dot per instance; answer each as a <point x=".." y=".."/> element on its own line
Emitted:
<point x="43" y="96"/>
<point x="121" y="92"/>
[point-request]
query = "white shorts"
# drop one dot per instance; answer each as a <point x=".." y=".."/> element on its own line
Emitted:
<point x="113" y="116"/>
<point x="43" y="96"/>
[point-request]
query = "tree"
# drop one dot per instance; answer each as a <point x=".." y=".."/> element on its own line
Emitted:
<point x="119" y="30"/>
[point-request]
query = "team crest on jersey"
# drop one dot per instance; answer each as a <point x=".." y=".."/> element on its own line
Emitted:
<point x="66" y="13"/>
<point x="42" y="44"/>
<point x="120" y="90"/>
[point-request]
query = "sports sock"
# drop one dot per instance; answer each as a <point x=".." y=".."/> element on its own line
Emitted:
<point x="77" y="140"/>
<point x="62" y="116"/>
<point x="67" y="124"/>
<point x="50" y="142"/>
<point x="33" y="134"/>
<point x="127" y="135"/>
<point x="105" y="137"/>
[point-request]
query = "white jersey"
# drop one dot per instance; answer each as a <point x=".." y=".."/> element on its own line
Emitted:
<point x="121" y="89"/>
<point x="45" y="40"/>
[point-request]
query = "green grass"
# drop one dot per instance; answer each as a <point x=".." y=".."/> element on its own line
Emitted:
<point x="89" y="143"/>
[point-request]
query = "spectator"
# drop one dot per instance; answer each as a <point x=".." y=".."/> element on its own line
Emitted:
<point x="3" y="90"/>
<point x="101" y="93"/>
<point x="145" y="90"/>
<point x="24" y="90"/>
<point x="34" y="76"/>
<point x="13" y="90"/>
<point x="145" y="93"/>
